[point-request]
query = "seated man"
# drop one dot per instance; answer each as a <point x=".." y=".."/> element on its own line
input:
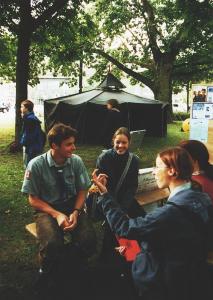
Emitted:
<point x="57" y="183"/>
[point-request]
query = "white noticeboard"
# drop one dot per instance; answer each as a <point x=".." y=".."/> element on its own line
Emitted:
<point x="199" y="130"/>
<point x="201" y="124"/>
<point x="210" y="94"/>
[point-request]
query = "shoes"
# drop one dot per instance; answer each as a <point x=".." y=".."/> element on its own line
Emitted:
<point x="43" y="284"/>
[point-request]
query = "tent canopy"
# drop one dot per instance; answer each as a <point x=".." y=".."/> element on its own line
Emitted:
<point x="86" y="111"/>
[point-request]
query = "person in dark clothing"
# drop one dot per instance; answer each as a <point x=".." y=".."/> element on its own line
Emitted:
<point x="32" y="138"/>
<point x="112" y="122"/>
<point x="172" y="261"/>
<point x="203" y="170"/>
<point x="113" y="162"/>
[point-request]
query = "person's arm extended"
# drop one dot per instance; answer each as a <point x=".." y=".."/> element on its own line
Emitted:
<point x="40" y="205"/>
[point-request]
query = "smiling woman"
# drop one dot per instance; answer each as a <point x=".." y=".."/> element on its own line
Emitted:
<point x="122" y="172"/>
<point x="113" y="162"/>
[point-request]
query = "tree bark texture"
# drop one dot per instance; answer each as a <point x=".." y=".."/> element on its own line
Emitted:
<point x="22" y="65"/>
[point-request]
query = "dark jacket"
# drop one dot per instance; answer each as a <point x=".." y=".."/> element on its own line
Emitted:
<point x="32" y="137"/>
<point x="172" y="260"/>
<point x="112" y="122"/>
<point x="113" y="165"/>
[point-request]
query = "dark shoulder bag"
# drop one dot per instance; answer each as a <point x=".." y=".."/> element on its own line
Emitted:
<point x="91" y="202"/>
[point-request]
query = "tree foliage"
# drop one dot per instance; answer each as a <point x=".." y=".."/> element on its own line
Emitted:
<point x="157" y="41"/>
<point x="24" y="19"/>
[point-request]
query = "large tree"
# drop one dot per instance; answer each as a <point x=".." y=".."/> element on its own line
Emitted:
<point x="157" y="40"/>
<point x="23" y="19"/>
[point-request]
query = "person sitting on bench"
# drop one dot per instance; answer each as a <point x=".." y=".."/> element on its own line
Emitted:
<point x="57" y="184"/>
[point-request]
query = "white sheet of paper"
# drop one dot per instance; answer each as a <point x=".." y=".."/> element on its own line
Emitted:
<point x="199" y="130"/>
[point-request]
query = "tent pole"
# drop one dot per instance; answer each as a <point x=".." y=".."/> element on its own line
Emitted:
<point x="80" y="76"/>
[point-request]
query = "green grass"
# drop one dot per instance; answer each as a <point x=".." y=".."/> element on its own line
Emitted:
<point x="18" y="249"/>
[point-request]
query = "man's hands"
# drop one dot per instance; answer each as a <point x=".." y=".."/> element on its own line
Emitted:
<point x="100" y="181"/>
<point x="67" y="223"/>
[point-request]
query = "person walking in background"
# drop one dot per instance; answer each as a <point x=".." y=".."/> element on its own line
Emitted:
<point x="172" y="261"/>
<point x="112" y="122"/>
<point x="203" y="170"/>
<point x="56" y="183"/>
<point x="32" y="138"/>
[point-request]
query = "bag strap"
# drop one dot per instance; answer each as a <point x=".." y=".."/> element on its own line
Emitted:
<point x="123" y="175"/>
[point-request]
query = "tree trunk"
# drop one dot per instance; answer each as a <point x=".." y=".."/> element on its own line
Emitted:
<point x="163" y="85"/>
<point x="22" y="66"/>
<point x="187" y="97"/>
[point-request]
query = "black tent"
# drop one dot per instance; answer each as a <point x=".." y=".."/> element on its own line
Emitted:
<point x="86" y="111"/>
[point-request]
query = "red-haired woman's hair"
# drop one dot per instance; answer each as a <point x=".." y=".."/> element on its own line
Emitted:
<point x="179" y="159"/>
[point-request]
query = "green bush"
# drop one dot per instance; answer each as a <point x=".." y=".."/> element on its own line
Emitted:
<point x="180" y="116"/>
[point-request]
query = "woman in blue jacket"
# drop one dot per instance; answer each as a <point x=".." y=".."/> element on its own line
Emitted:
<point x="171" y="264"/>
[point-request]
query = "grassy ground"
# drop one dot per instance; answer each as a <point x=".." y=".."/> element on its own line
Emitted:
<point x="18" y="249"/>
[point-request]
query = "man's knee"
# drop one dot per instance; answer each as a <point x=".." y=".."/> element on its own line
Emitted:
<point x="51" y="247"/>
<point x="89" y="244"/>
<point x="85" y="237"/>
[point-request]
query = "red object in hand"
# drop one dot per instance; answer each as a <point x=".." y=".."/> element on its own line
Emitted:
<point x="132" y="248"/>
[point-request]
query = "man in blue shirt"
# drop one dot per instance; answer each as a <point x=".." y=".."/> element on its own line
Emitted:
<point x="57" y="184"/>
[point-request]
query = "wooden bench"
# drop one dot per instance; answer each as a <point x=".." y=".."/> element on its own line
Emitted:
<point x="149" y="197"/>
<point x="31" y="228"/>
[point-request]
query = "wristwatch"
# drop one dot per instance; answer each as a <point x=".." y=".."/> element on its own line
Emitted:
<point x="78" y="210"/>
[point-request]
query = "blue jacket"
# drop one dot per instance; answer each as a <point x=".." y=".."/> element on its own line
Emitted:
<point x="31" y="134"/>
<point x="173" y="253"/>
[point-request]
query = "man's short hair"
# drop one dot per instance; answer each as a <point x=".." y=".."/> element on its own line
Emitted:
<point x="60" y="132"/>
<point x="28" y="104"/>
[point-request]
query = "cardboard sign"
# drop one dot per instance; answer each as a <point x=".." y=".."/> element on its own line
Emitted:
<point x="148" y="191"/>
<point x="146" y="181"/>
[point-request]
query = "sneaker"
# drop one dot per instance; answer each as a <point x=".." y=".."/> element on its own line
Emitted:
<point x="44" y="283"/>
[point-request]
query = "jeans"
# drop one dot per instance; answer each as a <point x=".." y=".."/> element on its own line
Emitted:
<point x="51" y="239"/>
<point x="27" y="157"/>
